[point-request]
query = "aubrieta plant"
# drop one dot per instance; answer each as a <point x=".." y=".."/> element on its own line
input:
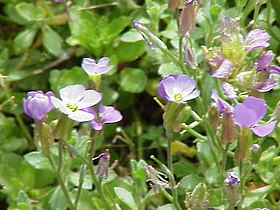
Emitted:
<point x="135" y="105"/>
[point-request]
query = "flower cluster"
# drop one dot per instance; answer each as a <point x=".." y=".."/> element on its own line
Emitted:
<point x="229" y="62"/>
<point x="75" y="101"/>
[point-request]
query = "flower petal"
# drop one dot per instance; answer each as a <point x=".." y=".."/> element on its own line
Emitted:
<point x="103" y="61"/>
<point x="267" y="85"/>
<point x="72" y="93"/>
<point x="244" y="116"/>
<point x="256" y="39"/>
<point x="60" y="105"/>
<point x="191" y="96"/>
<point x="81" y="116"/>
<point x="265" y="60"/>
<point x="221" y="104"/>
<point x="110" y="114"/>
<point x="263" y="130"/>
<point x="224" y="69"/>
<point x="185" y="85"/>
<point x="274" y="69"/>
<point x="91" y="98"/>
<point x="168" y="86"/>
<point x="258" y="105"/>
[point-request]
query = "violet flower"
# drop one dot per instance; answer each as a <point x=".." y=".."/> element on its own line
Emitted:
<point x="228" y="90"/>
<point x="223" y="70"/>
<point x="177" y="88"/>
<point x="106" y="114"/>
<point x="92" y="68"/>
<point x="75" y="98"/>
<point x="37" y="104"/>
<point x="232" y="180"/>
<point x="256" y="38"/>
<point x="265" y="86"/>
<point x="264" y="63"/>
<point x="104" y="167"/>
<point x="251" y="111"/>
<point x="222" y="105"/>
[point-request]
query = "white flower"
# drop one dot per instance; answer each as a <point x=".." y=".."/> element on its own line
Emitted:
<point x="74" y="98"/>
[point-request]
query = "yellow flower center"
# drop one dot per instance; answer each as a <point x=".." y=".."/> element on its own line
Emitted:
<point x="178" y="97"/>
<point x="72" y="107"/>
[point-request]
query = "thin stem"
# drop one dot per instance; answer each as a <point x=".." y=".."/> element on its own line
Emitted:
<point x="95" y="181"/>
<point x="256" y="13"/>
<point x="61" y="183"/>
<point x="241" y="184"/>
<point x="170" y="166"/>
<point x="193" y="132"/>
<point x="224" y="159"/>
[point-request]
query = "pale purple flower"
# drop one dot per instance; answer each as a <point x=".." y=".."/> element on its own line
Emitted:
<point x="264" y="63"/>
<point x="59" y="1"/>
<point x="37" y="104"/>
<point x="222" y="105"/>
<point x="103" y="166"/>
<point x="260" y="209"/>
<point x="228" y="90"/>
<point x="255" y="147"/>
<point x="106" y="114"/>
<point x="250" y="112"/>
<point x="232" y="180"/>
<point x="75" y="98"/>
<point x="224" y="69"/>
<point x="256" y="38"/>
<point x="177" y="88"/>
<point x="265" y="86"/>
<point x="92" y="68"/>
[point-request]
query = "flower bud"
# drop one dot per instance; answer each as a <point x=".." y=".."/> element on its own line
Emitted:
<point x="37" y="105"/>
<point x="243" y="144"/>
<point x="175" y="4"/>
<point x="47" y="139"/>
<point x="188" y="15"/>
<point x="228" y="128"/>
<point x="214" y="116"/>
<point x="255" y="153"/>
<point x="231" y="187"/>
<point x="152" y="40"/>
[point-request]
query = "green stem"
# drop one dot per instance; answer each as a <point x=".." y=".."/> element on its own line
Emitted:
<point x="193" y="132"/>
<point x="224" y="159"/>
<point x="241" y="184"/>
<point x="174" y="59"/>
<point x="256" y="13"/>
<point x="95" y="181"/>
<point x="61" y="181"/>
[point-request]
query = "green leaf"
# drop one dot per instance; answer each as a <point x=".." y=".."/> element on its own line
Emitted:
<point x="256" y="195"/>
<point x="51" y="40"/>
<point x="61" y="78"/>
<point x="133" y="80"/>
<point x="125" y="197"/>
<point x="37" y="160"/>
<point x="129" y="51"/>
<point x="57" y="200"/>
<point x="4" y="56"/>
<point x="131" y="36"/>
<point x="28" y="11"/>
<point x="183" y="168"/>
<point x="189" y="182"/>
<point x="169" y="68"/>
<point x="24" y="40"/>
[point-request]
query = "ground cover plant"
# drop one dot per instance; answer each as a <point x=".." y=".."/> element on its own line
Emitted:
<point x="133" y="104"/>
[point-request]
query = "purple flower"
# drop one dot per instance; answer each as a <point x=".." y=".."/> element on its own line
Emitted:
<point x="177" y="88"/>
<point x="264" y="63"/>
<point x="224" y="69"/>
<point x="265" y="86"/>
<point x="228" y="90"/>
<point x="92" y="68"/>
<point x="106" y="114"/>
<point x="222" y="105"/>
<point x="232" y="180"/>
<point x="37" y="104"/>
<point x="58" y="1"/>
<point x="104" y="167"/>
<point x="74" y="98"/>
<point x="256" y="39"/>
<point x="251" y="111"/>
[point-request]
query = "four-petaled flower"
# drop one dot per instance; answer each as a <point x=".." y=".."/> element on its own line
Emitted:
<point x="251" y="111"/>
<point x="106" y="114"/>
<point x="232" y="180"/>
<point x="75" y="98"/>
<point x="177" y="88"/>
<point x="92" y="68"/>
<point x="37" y="104"/>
